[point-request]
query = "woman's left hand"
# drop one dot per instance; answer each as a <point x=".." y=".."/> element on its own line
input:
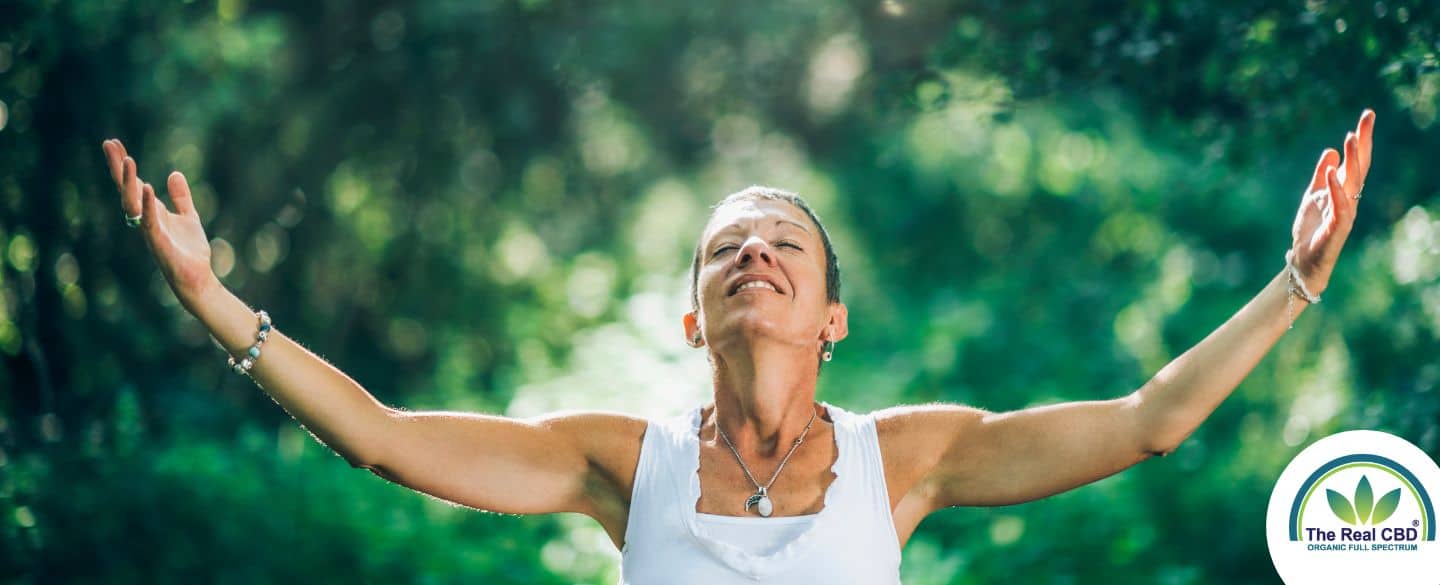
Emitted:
<point x="1327" y="212"/>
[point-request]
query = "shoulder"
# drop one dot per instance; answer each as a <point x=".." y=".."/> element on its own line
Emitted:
<point x="609" y="440"/>
<point x="915" y="438"/>
<point x="591" y="421"/>
<point x="914" y="426"/>
<point x="611" y="443"/>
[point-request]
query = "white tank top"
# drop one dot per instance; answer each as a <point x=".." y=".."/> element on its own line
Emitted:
<point x="851" y="540"/>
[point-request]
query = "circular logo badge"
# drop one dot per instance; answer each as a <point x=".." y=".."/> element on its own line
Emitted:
<point x="1356" y="507"/>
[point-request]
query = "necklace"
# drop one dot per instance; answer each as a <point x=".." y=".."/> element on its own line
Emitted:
<point x="761" y="498"/>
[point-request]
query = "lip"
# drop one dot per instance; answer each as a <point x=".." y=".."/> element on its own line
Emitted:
<point x="751" y="278"/>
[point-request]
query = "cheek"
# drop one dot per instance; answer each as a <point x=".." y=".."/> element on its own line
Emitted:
<point x="711" y="287"/>
<point x="709" y="282"/>
<point x="813" y="279"/>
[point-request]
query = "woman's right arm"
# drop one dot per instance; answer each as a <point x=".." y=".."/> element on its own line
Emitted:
<point x="569" y="463"/>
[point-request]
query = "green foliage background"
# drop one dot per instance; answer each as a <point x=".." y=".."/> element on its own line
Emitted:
<point x="489" y="206"/>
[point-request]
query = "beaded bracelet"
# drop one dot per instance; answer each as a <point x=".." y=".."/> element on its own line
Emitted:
<point x="243" y="365"/>
<point x="1295" y="286"/>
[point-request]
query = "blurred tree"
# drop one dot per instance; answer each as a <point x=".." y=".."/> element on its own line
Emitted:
<point x="490" y="206"/>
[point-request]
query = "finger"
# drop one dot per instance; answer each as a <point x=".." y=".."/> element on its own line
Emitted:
<point x="120" y="150"/>
<point x="1350" y="171"/>
<point x="1365" y="130"/>
<point x="130" y="188"/>
<point x="179" y="190"/>
<point x="1340" y="202"/>
<point x="1327" y="159"/>
<point x="114" y="162"/>
<point x="150" y="215"/>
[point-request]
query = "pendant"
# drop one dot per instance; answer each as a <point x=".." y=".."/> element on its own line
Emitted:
<point x="762" y="503"/>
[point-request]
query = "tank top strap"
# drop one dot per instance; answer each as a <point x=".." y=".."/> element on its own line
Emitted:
<point x="657" y="487"/>
<point x="860" y="459"/>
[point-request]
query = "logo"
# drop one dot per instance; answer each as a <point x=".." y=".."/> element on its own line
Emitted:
<point x="1356" y="505"/>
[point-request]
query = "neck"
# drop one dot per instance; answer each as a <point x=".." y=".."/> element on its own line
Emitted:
<point x="764" y="397"/>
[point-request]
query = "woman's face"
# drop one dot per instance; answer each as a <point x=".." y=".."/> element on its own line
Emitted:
<point x="775" y="243"/>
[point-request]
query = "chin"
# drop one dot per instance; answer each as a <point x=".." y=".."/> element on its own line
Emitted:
<point x="753" y="325"/>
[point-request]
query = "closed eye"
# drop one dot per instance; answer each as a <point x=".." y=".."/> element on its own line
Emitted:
<point x="732" y="247"/>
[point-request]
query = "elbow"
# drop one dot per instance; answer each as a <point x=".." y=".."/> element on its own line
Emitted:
<point x="375" y="469"/>
<point x="367" y="450"/>
<point x="1159" y="451"/>
<point x="357" y="458"/>
<point x="1155" y="436"/>
<point x="1161" y="443"/>
<point x="379" y="472"/>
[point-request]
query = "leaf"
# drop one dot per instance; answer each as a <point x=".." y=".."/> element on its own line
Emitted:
<point x="1341" y="507"/>
<point x="1364" y="500"/>
<point x="1386" y="506"/>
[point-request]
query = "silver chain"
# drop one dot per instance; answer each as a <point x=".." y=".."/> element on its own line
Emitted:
<point x="798" y="440"/>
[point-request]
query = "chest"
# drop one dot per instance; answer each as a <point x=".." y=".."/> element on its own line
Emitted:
<point x="851" y="544"/>
<point x="798" y="490"/>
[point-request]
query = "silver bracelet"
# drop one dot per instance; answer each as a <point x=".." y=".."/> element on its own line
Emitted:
<point x="247" y="361"/>
<point x="1295" y="286"/>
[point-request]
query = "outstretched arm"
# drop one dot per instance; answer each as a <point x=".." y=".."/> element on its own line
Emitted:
<point x="998" y="459"/>
<point x="537" y="465"/>
<point x="547" y="464"/>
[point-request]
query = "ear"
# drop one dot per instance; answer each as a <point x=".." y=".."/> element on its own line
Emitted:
<point x="692" y="330"/>
<point x="839" y="325"/>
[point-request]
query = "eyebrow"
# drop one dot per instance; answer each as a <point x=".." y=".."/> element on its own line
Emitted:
<point x="732" y="227"/>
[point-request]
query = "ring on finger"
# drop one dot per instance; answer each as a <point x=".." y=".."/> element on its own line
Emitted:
<point x="132" y="220"/>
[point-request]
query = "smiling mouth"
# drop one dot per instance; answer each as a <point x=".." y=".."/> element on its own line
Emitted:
<point x="755" y="285"/>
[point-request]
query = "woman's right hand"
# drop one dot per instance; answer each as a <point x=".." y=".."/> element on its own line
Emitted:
<point x="177" y="240"/>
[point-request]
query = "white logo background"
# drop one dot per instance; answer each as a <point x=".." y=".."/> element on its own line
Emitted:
<point x="1298" y="566"/>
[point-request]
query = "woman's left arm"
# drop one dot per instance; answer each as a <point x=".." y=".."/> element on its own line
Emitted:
<point x="981" y="458"/>
<point x="1182" y="394"/>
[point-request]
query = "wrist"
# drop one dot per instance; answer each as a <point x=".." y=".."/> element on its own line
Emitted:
<point x="1295" y="289"/>
<point x="1305" y="283"/>
<point x="204" y="293"/>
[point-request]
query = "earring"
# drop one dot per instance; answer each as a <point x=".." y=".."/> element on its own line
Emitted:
<point x="695" y="341"/>
<point x="827" y="351"/>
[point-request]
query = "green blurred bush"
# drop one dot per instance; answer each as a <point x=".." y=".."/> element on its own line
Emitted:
<point x="489" y="206"/>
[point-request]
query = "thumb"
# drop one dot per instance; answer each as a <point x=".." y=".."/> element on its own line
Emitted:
<point x="179" y="190"/>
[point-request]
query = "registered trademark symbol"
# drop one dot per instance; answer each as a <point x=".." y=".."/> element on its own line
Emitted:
<point x="1414" y="522"/>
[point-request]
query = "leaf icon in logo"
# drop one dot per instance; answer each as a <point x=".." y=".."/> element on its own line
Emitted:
<point x="1386" y="506"/>
<point x="1341" y="507"/>
<point x="1364" y="500"/>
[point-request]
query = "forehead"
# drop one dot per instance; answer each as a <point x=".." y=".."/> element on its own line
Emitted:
<point x="757" y="212"/>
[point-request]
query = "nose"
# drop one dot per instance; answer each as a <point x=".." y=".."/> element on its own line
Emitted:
<point x="755" y="249"/>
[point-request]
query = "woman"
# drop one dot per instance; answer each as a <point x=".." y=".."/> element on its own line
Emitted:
<point x="763" y="484"/>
